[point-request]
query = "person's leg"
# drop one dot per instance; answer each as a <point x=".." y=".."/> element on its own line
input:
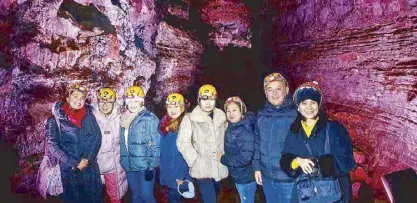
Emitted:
<point x="277" y="191"/>
<point x="111" y="187"/>
<point x="284" y="191"/>
<point x="147" y="188"/>
<point x="69" y="186"/>
<point x="133" y="180"/>
<point x="246" y="192"/>
<point x="92" y="185"/>
<point x="207" y="190"/>
<point x="217" y="186"/>
<point x="174" y="196"/>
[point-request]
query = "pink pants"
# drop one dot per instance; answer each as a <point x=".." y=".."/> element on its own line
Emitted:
<point x="111" y="187"/>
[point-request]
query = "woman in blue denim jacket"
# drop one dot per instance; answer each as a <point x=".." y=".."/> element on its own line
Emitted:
<point x="139" y="146"/>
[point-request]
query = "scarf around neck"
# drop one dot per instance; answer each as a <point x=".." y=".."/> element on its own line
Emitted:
<point x="76" y="117"/>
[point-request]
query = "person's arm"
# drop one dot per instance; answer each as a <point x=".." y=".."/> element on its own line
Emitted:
<point x="94" y="141"/>
<point x="154" y="150"/>
<point x="53" y="140"/>
<point x="256" y="161"/>
<point x="246" y="148"/>
<point x="184" y="140"/>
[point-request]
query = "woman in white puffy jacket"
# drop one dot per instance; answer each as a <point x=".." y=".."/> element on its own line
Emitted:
<point x="107" y="115"/>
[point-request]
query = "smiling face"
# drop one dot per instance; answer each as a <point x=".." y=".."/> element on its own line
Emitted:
<point x="76" y="99"/>
<point x="233" y="113"/>
<point x="134" y="104"/>
<point x="174" y="110"/>
<point x="276" y="92"/>
<point x="208" y="104"/>
<point x="105" y="107"/>
<point x="309" y="109"/>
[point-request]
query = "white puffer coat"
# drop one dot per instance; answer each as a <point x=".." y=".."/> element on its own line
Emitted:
<point x="108" y="157"/>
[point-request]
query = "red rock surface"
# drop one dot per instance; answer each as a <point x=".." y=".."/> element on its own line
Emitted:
<point x="361" y="52"/>
<point x="363" y="55"/>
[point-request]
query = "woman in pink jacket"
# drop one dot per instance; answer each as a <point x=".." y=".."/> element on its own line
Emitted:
<point x="107" y="115"/>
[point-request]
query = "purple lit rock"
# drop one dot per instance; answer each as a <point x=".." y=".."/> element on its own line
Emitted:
<point x="363" y="55"/>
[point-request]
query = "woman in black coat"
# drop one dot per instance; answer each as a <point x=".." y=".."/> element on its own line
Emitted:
<point x="310" y="127"/>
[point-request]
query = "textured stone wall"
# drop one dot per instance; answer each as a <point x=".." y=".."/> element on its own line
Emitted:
<point x="46" y="44"/>
<point x="363" y="53"/>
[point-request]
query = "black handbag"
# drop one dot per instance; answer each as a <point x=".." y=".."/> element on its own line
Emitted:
<point x="314" y="187"/>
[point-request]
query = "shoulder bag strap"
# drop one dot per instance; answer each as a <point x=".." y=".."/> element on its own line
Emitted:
<point x="327" y="142"/>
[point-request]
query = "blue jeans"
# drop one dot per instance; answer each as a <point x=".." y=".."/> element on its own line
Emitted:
<point x="276" y="191"/>
<point x="209" y="190"/>
<point x="141" y="190"/>
<point x="174" y="196"/>
<point x="246" y="192"/>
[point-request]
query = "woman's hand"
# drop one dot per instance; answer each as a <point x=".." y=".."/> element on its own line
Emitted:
<point x="258" y="177"/>
<point x="217" y="156"/>
<point x="83" y="163"/>
<point x="179" y="182"/>
<point x="305" y="164"/>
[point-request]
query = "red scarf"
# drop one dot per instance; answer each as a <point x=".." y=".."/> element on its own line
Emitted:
<point x="75" y="117"/>
<point x="163" y="126"/>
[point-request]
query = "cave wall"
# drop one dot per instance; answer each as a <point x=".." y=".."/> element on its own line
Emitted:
<point x="46" y="44"/>
<point x="363" y="54"/>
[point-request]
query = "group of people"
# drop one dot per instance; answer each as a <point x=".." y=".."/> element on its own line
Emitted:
<point x="100" y="143"/>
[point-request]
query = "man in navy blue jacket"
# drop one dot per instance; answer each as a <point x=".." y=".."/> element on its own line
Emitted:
<point x="273" y="123"/>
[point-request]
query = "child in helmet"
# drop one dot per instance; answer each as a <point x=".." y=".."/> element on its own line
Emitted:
<point x="200" y="137"/>
<point x="107" y="114"/>
<point x="173" y="168"/>
<point x="239" y="147"/>
<point x="139" y="146"/>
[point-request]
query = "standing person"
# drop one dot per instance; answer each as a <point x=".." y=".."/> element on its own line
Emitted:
<point x="139" y="146"/>
<point x="200" y="137"/>
<point x="107" y="114"/>
<point x="239" y="146"/>
<point x="173" y="169"/>
<point x="273" y="124"/>
<point x="312" y="126"/>
<point x="74" y="138"/>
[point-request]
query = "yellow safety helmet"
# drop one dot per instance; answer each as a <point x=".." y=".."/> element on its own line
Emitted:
<point x="175" y="99"/>
<point x="135" y="91"/>
<point x="106" y="94"/>
<point x="207" y="91"/>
